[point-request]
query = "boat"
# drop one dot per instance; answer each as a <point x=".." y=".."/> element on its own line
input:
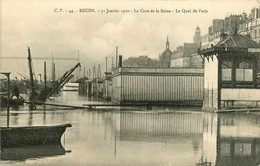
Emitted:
<point x="32" y="135"/>
<point x="15" y="99"/>
<point x="71" y="87"/>
<point x="12" y="102"/>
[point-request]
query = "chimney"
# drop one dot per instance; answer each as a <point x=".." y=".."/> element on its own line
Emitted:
<point x="120" y="61"/>
<point x="116" y="56"/>
<point x="223" y="35"/>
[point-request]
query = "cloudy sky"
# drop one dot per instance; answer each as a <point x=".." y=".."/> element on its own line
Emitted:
<point x="34" y="24"/>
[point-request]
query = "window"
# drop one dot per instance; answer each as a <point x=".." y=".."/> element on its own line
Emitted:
<point x="242" y="149"/>
<point x="226" y="71"/>
<point x="244" y="71"/>
<point x="225" y="149"/>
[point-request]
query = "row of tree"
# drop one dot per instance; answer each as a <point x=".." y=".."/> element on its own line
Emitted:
<point x="144" y="61"/>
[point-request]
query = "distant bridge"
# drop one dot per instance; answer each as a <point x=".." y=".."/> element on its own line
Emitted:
<point x="40" y="58"/>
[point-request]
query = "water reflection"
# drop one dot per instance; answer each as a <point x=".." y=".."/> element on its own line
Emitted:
<point x="231" y="139"/>
<point x="145" y="126"/>
<point x="163" y="136"/>
<point x="30" y="152"/>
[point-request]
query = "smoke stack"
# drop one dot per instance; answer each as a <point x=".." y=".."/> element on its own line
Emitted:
<point x="120" y="61"/>
<point x="116" y="56"/>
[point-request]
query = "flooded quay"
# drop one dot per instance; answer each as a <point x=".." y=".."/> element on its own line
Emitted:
<point x="134" y="136"/>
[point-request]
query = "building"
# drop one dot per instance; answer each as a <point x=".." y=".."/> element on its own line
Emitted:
<point x="165" y="86"/>
<point x="217" y="25"/>
<point x="196" y="61"/>
<point x="197" y="36"/>
<point x="181" y="57"/>
<point x="231" y="73"/>
<point x="186" y="56"/>
<point x="229" y="26"/>
<point x="165" y="57"/>
<point x="247" y="25"/>
<point x="231" y="23"/>
<point x="250" y="25"/>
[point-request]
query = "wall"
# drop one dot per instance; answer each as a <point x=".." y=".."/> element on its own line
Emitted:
<point x="240" y="97"/>
<point x="82" y="88"/>
<point x="107" y="89"/>
<point x="116" y="88"/>
<point x="210" y="102"/>
<point x="177" y="63"/>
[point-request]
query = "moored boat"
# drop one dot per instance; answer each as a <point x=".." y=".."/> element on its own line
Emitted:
<point x="12" y="102"/>
<point x="71" y="87"/>
<point x="31" y="135"/>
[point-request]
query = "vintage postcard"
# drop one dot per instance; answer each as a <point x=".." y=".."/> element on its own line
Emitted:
<point x="161" y="82"/>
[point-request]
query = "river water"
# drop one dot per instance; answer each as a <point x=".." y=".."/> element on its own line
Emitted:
<point x="135" y="136"/>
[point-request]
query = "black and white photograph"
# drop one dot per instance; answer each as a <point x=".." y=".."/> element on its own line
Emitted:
<point x="130" y="83"/>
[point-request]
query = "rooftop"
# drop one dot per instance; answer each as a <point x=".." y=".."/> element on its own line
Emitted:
<point x="235" y="42"/>
<point x="238" y="40"/>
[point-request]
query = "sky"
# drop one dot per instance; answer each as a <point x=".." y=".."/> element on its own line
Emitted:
<point x="94" y="36"/>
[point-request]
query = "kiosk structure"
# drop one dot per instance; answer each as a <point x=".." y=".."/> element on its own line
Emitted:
<point x="231" y="73"/>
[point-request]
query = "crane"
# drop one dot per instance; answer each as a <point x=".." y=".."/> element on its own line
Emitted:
<point x="23" y="76"/>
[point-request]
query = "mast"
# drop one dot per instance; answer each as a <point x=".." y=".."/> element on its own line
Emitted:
<point x="31" y="78"/>
<point x="45" y="77"/>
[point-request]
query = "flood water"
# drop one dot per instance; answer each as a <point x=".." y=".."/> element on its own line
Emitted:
<point x="135" y="136"/>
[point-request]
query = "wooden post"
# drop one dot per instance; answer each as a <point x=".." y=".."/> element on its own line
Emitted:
<point x="233" y="71"/>
<point x="255" y="70"/>
<point x="45" y="77"/>
<point x="219" y="79"/>
<point x="8" y="97"/>
<point x="112" y="64"/>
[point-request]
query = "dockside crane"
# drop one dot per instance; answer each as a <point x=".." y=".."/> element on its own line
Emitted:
<point x="63" y="80"/>
<point x="23" y="76"/>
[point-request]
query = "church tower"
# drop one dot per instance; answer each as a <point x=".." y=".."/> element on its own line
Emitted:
<point x="167" y="44"/>
<point x="197" y="37"/>
<point x="165" y="57"/>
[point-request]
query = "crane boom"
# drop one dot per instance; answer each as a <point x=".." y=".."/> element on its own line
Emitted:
<point x="23" y="76"/>
<point x="65" y="78"/>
